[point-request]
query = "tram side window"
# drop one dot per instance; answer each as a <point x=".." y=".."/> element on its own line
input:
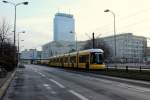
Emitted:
<point x="61" y="59"/>
<point x="66" y="59"/>
<point x="83" y="58"/>
<point x="52" y="60"/>
<point x="57" y="59"/>
<point x="73" y="59"/>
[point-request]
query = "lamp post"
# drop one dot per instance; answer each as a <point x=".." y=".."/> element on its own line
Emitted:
<point x="107" y="10"/>
<point x="15" y="7"/>
<point x="19" y="44"/>
<point x="75" y="39"/>
<point x="76" y="47"/>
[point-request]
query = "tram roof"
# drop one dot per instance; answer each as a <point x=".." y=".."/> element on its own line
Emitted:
<point x="82" y="51"/>
<point x="92" y="50"/>
<point x="89" y="50"/>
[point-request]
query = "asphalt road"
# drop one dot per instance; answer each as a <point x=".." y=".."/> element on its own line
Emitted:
<point x="45" y="83"/>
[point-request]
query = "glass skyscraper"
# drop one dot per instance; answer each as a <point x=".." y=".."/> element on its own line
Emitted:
<point x="64" y="27"/>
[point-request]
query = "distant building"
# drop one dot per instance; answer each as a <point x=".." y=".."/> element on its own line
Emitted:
<point x="58" y="48"/>
<point x="64" y="27"/>
<point x="147" y="58"/>
<point x="30" y="56"/>
<point x="129" y="48"/>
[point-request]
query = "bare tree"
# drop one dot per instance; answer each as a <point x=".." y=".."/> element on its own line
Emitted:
<point x="4" y="30"/>
<point x="7" y="49"/>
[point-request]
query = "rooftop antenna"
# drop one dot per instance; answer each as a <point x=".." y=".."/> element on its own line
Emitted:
<point x="69" y="11"/>
<point x="58" y="10"/>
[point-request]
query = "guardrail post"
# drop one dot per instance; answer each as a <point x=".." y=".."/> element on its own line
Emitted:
<point x="140" y="69"/>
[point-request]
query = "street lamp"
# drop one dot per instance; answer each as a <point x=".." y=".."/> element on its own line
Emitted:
<point x="23" y="32"/>
<point x="19" y="44"/>
<point x="107" y="10"/>
<point x="76" y="39"/>
<point x="15" y="6"/>
<point x="76" y="45"/>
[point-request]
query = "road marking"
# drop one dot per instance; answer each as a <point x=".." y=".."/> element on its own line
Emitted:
<point x="53" y="92"/>
<point x="140" y="89"/>
<point x="43" y="75"/>
<point x="57" y="83"/>
<point x="78" y="95"/>
<point x="104" y="81"/>
<point x="136" y="88"/>
<point x="40" y="73"/>
<point x="47" y="86"/>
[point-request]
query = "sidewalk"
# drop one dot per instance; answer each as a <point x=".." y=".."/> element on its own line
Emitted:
<point x="2" y="80"/>
<point x="4" y="83"/>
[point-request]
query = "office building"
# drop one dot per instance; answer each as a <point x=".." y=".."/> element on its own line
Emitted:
<point x="30" y="56"/>
<point x="57" y="48"/>
<point x="129" y="48"/>
<point x="64" y="27"/>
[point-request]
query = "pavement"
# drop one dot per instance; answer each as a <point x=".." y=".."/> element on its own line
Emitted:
<point x="47" y="83"/>
<point x="4" y="83"/>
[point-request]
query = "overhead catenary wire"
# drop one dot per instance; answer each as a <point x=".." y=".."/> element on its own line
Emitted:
<point x="121" y="20"/>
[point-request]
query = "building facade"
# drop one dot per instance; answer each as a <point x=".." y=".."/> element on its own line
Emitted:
<point x="129" y="48"/>
<point x="61" y="47"/>
<point x="147" y="58"/>
<point x="64" y="26"/>
<point x="30" y="56"/>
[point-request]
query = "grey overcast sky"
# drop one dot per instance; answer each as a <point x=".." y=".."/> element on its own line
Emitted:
<point x="37" y="18"/>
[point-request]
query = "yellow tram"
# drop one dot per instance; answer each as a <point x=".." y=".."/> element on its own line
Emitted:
<point x="85" y="59"/>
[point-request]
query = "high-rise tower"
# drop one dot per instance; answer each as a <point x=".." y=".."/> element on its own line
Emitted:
<point x="64" y="27"/>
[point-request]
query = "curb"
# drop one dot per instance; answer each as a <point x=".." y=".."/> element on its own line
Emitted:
<point x="6" y="84"/>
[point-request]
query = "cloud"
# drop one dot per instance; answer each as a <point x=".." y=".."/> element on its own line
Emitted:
<point x="131" y="16"/>
<point x="90" y="16"/>
<point x="39" y="30"/>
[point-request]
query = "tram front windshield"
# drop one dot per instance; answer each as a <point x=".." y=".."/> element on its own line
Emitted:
<point x="96" y="58"/>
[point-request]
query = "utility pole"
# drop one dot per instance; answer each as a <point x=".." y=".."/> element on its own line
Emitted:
<point x="15" y="13"/>
<point x="107" y="10"/>
<point x="93" y="40"/>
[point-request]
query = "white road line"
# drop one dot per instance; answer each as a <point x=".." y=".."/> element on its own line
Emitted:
<point x="40" y="73"/>
<point x="105" y="81"/>
<point x="47" y="86"/>
<point x="141" y="89"/>
<point x="53" y="92"/>
<point x="43" y="75"/>
<point x="57" y="83"/>
<point x="136" y="88"/>
<point x="78" y="95"/>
